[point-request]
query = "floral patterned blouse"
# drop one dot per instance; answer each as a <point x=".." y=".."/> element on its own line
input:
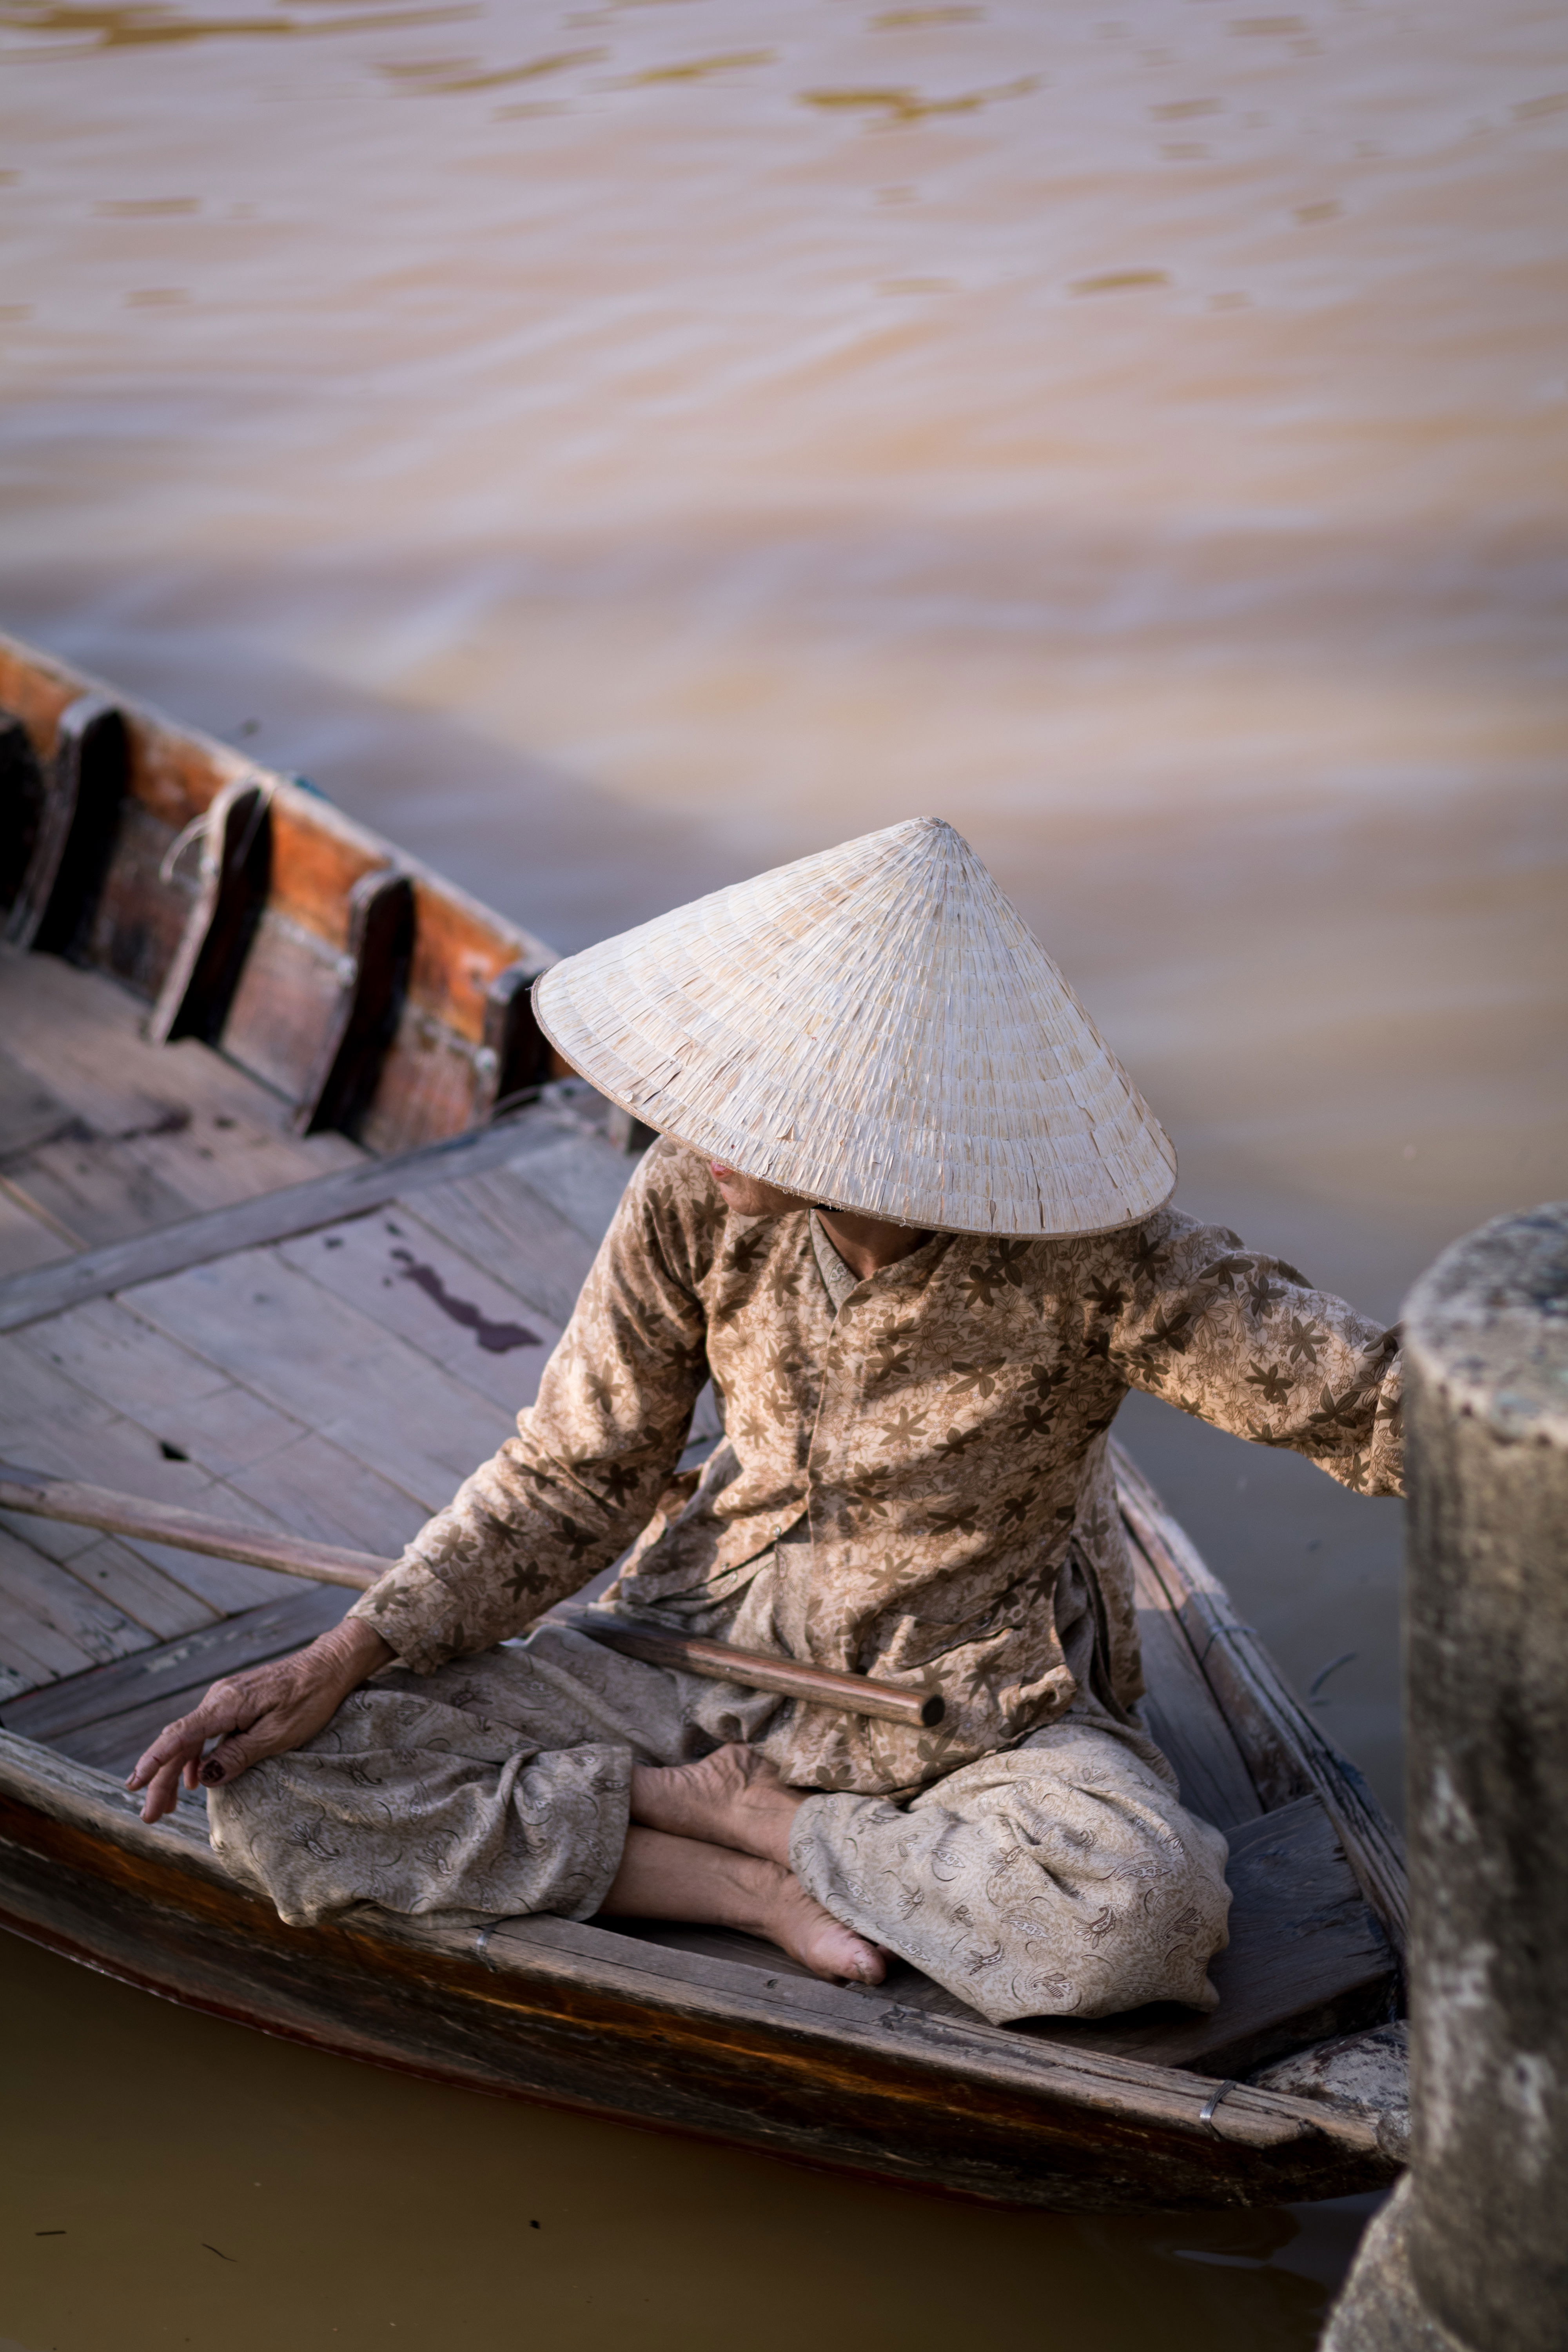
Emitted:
<point x="908" y="1464"/>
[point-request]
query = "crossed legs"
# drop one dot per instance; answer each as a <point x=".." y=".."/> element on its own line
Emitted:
<point x="709" y="1843"/>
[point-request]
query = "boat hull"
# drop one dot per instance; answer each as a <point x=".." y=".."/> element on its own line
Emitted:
<point x="544" y="2011"/>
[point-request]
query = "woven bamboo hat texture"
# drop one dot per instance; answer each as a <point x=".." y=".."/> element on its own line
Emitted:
<point x="875" y="1028"/>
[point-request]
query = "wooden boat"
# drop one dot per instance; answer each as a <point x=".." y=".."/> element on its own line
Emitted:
<point x="293" y="1203"/>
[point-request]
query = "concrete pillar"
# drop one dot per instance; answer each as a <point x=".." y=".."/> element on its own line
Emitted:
<point x="1472" y="2253"/>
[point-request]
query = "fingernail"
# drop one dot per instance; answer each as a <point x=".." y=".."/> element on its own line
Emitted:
<point x="211" y="1774"/>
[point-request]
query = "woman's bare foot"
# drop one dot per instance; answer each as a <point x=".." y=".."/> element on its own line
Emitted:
<point x="665" y="1877"/>
<point x="734" y="1798"/>
<point x="797" y="1923"/>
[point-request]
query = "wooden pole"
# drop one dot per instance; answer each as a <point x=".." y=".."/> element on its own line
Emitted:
<point x="660" y="1645"/>
<point x="1472" y="2253"/>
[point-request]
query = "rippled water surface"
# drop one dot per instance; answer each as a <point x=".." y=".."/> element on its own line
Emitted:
<point x="614" y="448"/>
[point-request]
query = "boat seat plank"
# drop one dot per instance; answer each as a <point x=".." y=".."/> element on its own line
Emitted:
<point x="226" y="1156"/>
<point x="1184" y="1717"/>
<point x="278" y="1214"/>
<point x="98" y="1188"/>
<point x="307" y="1352"/>
<point x="397" y="1269"/>
<point x="181" y="1162"/>
<point x="95" y="1707"/>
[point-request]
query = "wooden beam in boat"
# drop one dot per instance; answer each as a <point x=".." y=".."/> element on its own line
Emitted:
<point x="84" y="788"/>
<point x="372" y="983"/>
<point x="21" y="794"/>
<point x="272" y="1217"/>
<point x="236" y="863"/>
<point x="515" y="1054"/>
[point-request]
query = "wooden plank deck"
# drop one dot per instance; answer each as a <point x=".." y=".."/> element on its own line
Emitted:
<point x="103" y="1135"/>
<point x="339" y="1383"/>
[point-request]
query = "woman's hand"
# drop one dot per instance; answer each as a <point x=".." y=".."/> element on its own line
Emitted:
<point x="263" y="1713"/>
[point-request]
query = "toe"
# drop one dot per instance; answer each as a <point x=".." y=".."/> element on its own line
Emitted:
<point x="839" y="1952"/>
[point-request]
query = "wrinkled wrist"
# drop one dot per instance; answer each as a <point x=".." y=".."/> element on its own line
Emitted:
<point x="351" y="1652"/>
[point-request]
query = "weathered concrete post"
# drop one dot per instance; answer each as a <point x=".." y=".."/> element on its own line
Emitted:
<point x="1471" y="2255"/>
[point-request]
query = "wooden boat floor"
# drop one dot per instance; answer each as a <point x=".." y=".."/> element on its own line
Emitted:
<point x="103" y="1136"/>
<point x="339" y="1381"/>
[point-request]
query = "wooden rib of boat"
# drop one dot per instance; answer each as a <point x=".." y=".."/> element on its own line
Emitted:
<point x="273" y="1245"/>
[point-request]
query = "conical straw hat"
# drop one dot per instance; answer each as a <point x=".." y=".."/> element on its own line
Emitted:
<point x="874" y="1028"/>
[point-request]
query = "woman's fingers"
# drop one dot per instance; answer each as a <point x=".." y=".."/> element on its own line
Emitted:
<point x="222" y="1710"/>
<point x="176" y="1753"/>
<point x="260" y="1714"/>
<point x="278" y="1728"/>
<point x="162" y="1787"/>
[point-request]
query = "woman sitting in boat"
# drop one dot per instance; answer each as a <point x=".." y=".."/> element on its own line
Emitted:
<point x="912" y="1218"/>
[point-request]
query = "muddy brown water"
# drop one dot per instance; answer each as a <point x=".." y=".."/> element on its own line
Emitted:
<point x="614" y="448"/>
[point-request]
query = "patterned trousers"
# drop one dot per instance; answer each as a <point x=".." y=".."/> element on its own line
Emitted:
<point x="1061" y="1878"/>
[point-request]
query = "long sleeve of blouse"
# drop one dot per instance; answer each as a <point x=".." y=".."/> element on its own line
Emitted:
<point x="585" y="1471"/>
<point x="1245" y="1341"/>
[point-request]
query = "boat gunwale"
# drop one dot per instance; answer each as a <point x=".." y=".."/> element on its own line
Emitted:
<point x="311" y="805"/>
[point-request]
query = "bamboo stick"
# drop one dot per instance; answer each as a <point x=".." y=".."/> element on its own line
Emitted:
<point x="130" y="1515"/>
<point x="661" y="1645"/>
<point x="166" y="1523"/>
